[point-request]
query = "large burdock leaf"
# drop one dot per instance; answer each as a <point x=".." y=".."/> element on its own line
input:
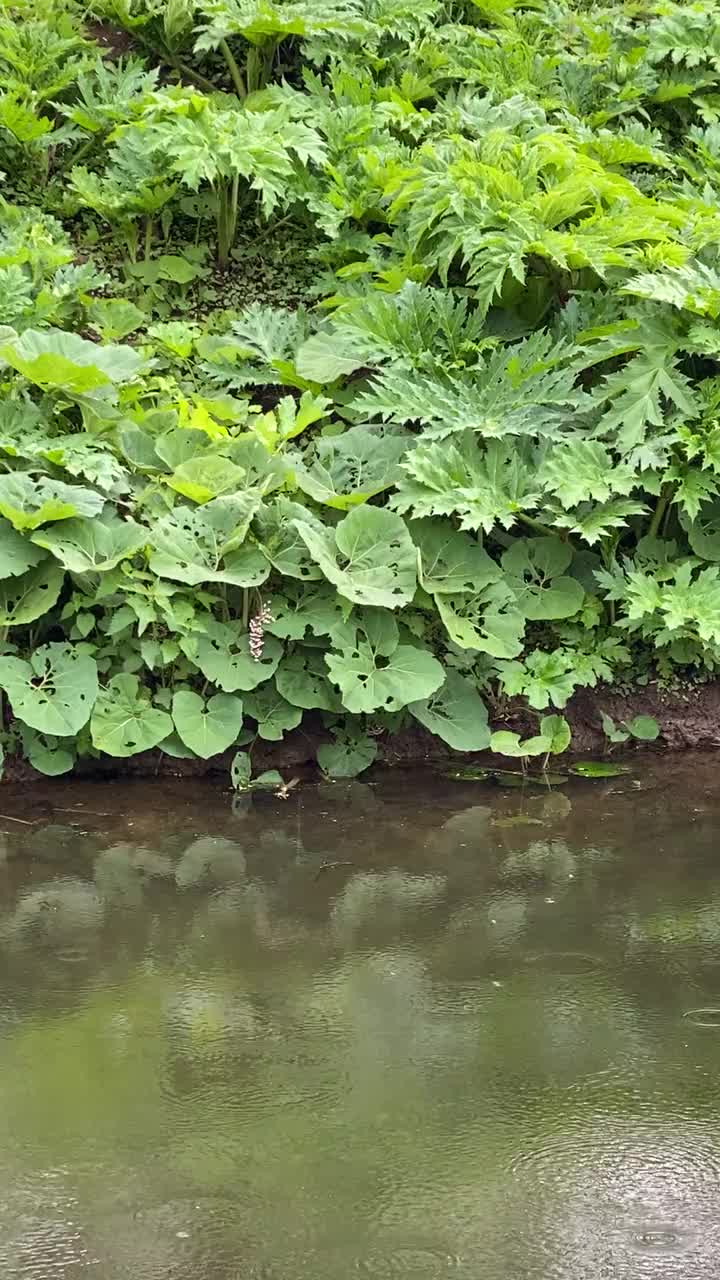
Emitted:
<point x="302" y="679"/>
<point x="534" y="569"/>
<point x="207" y="728"/>
<point x="54" y="358"/>
<point x="280" y="540"/>
<point x="451" y="561"/>
<point x="93" y="546"/>
<point x="369" y="556"/>
<point x="29" y="501"/>
<point x="347" y="756"/>
<point x="55" y="691"/>
<point x="30" y="596"/>
<point x="17" y="554"/>
<point x="201" y="479"/>
<point x="344" y="471"/>
<point x="124" y="721"/>
<point x="486" y="622"/>
<point x="204" y="544"/>
<point x="409" y="675"/>
<point x="456" y="713"/>
<point x="223" y="656"/>
<point x="273" y="714"/>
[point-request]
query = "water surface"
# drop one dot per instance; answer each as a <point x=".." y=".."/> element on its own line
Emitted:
<point x="415" y="1028"/>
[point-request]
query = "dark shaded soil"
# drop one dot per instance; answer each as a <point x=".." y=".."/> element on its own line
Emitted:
<point x="688" y="720"/>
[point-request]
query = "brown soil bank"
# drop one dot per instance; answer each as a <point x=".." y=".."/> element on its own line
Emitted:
<point x="687" y="719"/>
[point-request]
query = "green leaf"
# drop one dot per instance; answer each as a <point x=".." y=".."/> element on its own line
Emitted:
<point x="201" y="479"/>
<point x="47" y="754"/>
<point x="302" y="679"/>
<point x="325" y="357"/>
<point x="207" y="728"/>
<point x="555" y="730"/>
<point x="202" y="545"/>
<point x="597" y="769"/>
<point x="644" y="728"/>
<point x="369" y="556"/>
<point x="534" y="573"/>
<point x="17" y="554"/>
<point x="581" y="470"/>
<point x="93" y="546"/>
<point x="223" y="656"/>
<point x="409" y="675"/>
<point x="345" y="470"/>
<point x="55" y="691"/>
<point x="451" y="562"/>
<point x="52" y="358"/>
<point x="30" y="596"/>
<point x="456" y="713"/>
<point x="274" y="715"/>
<point x="491" y="624"/>
<point x="280" y="540"/>
<point x="240" y="771"/>
<point x="28" y="502"/>
<point x="124" y="721"/>
<point x="347" y="756"/>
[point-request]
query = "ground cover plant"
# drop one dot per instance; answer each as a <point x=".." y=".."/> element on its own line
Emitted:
<point x="359" y="360"/>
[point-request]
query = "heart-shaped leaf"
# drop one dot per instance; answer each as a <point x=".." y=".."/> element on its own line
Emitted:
<point x="124" y="721"/>
<point x="223" y="656"/>
<point x="27" y="502"/>
<point x="55" y="691"/>
<point x="343" y="471"/>
<point x="456" y="713"/>
<point x="369" y="556"/>
<point x="17" y="554"/>
<point x="409" y="675"/>
<point x="207" y="728"/>
<point x="347" y="756"/>
<point x="273" y="714"/>
<point x="203" y="545"/>
<point x="31" y="595"/>
<point x="451" y="562"/>
<point x="303" y="680"/>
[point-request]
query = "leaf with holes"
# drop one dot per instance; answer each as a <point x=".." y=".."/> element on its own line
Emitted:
<point x="28" y="597"/>
<point x="48" y="754"/>
<point x="316" y="610"/>
<point x="302" y="679"/>
<point x="451" y="562"/>
<point x="488" y="622"/>
<point x="28" y="502"/>
<point x="203" y="545"/>
<point x="369" y="682"/>
<point x="533" y="569"/>
<point x="345" y="470"/>
<point x="280" y="541"/>
<point x="207" y="728"/>
<point x="17" y="554"/>
<point x="456" y="713"/>
<point x="274" y="715"/>
<point x="347" y="756"/>
<point x="93" y="546"/>
<point x="201" y="479"/>
<point x="223" y="656"/>
<point x="55" y="691"/>
<point x="124" y="720"/>
<point x="369" y="556"/>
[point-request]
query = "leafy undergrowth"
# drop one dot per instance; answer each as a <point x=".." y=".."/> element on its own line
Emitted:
<point x="358" y="357"/>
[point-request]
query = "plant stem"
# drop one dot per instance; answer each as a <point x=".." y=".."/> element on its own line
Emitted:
<point x="235" y="73"/>
<point x="660" y="509"/>
<point x="148" y="237"/>
<point x="245" y="608"/>
<point x="537" y="525"/>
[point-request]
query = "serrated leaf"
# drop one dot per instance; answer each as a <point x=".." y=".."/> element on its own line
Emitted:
<point x="124" y="721"/>
<point x="369" y="682"/>
<point x="274" y="715"/>
<point x="30" y="596"/>
<point x="87" y="546"/>
<point x="456" y="713"/>
<point x="369" y="556"/>
<point x="55" y="691"/>
<point x="207" y="728"/>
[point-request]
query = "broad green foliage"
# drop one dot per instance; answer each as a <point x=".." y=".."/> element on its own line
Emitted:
<point x="479" y="462"/>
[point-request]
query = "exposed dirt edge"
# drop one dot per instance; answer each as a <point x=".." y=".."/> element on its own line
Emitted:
<point x="688" y="719"/>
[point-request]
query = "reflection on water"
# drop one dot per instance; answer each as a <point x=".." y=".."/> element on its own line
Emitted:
<point x="412" y="1028"/>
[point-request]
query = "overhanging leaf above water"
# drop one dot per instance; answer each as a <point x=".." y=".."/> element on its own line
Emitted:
<point x="55" y="691"/>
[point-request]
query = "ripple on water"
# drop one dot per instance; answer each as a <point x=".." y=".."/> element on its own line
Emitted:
<point x="709" y="1017"/>
<point x="564" y="963"/>
<point x="415" y="1262"/>
<point x="661" y="1238"/>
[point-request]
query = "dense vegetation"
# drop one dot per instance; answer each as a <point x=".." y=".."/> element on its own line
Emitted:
<point x="359" y="357"/>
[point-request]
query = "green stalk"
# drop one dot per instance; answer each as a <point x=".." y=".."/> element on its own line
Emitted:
<point x="537" y="525"/>
<point x="236" y="74"/>
<point x="148" y="237"/>
<point x="660" y="509"/>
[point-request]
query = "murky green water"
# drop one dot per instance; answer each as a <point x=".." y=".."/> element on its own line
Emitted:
<point x="412" y="1029"/>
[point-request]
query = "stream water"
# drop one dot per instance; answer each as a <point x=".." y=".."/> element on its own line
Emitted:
<point x="413" y="1028"/>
